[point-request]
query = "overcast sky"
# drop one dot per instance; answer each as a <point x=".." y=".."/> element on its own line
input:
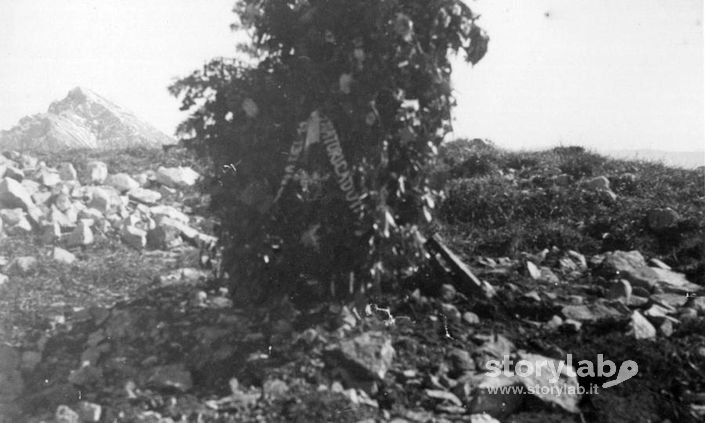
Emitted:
<point x="601" y="73"/>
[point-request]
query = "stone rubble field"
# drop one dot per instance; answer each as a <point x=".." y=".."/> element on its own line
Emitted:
<point x="112" y="312"/>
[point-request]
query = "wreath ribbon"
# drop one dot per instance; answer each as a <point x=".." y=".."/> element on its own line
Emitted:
<point x="321" y="129"/>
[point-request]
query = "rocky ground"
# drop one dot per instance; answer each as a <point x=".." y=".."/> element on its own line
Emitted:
<point x="112" y="309"/>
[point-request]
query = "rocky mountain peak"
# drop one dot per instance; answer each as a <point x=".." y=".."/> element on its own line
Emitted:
<point x="83" y="119"/>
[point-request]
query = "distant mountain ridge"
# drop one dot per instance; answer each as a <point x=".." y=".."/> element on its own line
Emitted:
<point x="83" y="119"/>
<point x="684" y="159"/>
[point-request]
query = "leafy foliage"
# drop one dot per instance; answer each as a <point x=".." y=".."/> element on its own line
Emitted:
<point x="379" y="71"/>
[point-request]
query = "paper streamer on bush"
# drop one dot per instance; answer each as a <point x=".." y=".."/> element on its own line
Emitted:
<point x="340" y="165"/>
<point x="295" y="152"/>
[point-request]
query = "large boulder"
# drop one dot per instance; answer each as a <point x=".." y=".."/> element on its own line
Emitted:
<point x="177" y="177"/>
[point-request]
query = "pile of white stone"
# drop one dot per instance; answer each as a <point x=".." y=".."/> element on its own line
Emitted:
<point x="65" y="210"/>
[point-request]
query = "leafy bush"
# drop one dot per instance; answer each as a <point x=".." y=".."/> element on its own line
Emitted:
<point x="319" y="148"/>
<point x="581" y="164"/>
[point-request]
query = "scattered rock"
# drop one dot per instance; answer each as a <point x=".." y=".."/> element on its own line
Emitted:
<point x="67" y="172"/>
<point x="82" y="235"/>
<point x="162" y="211"/>
<point x="620" y="290"/>
<point x="450" y="312"/>
<point x="177" y="177"/>
<point x="64" y="220"/>
<point x="62" y="202"/>
<point x="134" y="237"/>
<point x="62" y="256"/>
<point x="460" y="361"/>
<point x="369" y="355"/>
<point x="97" y="172"/>
<point x="446" y="396"/>
<point x="675" y="282"/>
<point x="448" y="292"/>
<point x="471" y="318"/>
<point x="122" y="182"/>
<point x="641" y="328"/>
<point x="3" y="279"/>
<point x="669" y="300"/>
<point x="14" y="195"/>
<point x="494" y="347"/>
<point x="658" y="263"/>
<point x="14" y="173"/>
<point x="551" y="381"/>
<point x="665" y="328"/>
<point x="164" y="237"/>
<point x="32" y="187"/>
<point x="274" y="388"/>
<point x="12" y="217"/>
<point x="590" y="313"/>
<point x="186" y="275"/>
<point x="173" y="376"/>
<point x="48" y="178"/>
<point x="597" y="183"/>
<point x="64" y="414"/>
<point x="533" y="270"/>
<point x="91" y="214"/>
<point x="631" y="266"/>
<point x="102" y="200"/>
<point x="483" y="418"/>
<point x="688" y="314"/>
<point x="487" y="397"/>
<point x="145" y="196"/>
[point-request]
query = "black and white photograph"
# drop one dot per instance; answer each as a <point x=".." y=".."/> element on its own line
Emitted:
<point x="355" y="211"/>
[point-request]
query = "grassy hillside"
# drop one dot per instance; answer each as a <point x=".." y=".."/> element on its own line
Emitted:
<point x="502" y="203"/>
